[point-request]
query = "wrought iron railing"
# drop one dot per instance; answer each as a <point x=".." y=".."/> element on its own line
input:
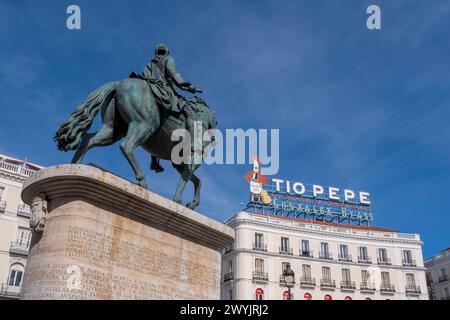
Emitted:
<point x="228" y="276"/>
<point x="325" y="255"/>
<point x="307" y="281"/>
<point x="327" y="283"/>
<point x="24" y="211"/>
<point x="386" y="287"/>
<point x="19" y="248"/>
<point x="409" y="263"/>
<point x="345" y="257"/>
<point x="384" y="261"/>
<point x="286" y="250"/>
<point x="362" y="259"/>
<point x="366" y="286"/>
<point x="410" y="289"/>
<point x="260" y="247"/>
<point x="349" y="285"/>
<point x="306" y="253"/>
<point x="260" y="276"/>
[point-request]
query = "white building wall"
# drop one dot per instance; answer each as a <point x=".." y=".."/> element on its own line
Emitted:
<point x="273" y="228"/>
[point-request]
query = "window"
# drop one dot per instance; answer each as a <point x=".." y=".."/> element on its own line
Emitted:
<point x="346" y="275"/>
<point x="15" y="275"/>
<point x="285" y="244"/>
<point x="407" y="256"/>
<point x="365" y="276"/>
<point x="343" y="251"/>
<point x="410" y="280"/>
<point x="305" y="247"/>
<point x="306" y="271"/>
<point x="259" y="265"/>
<point x="446" y="293"/>
<point x="443" y="272"/>
<point x="230" y="266"/>
<point x="385" y="279"/>
<point x="382" y="254"/>
<point x="363" y="253"/>
<point x="259" y="294"/>
<point x="259" y="240"/>
<point x="326" y="273"/>
<point x="23" y="237"/>
<point x="324" y="250"/>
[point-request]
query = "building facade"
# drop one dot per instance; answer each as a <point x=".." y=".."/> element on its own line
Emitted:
<point x="330" y="261"/>
<point x="438" y="275"/>
<point x="15" y="234"/>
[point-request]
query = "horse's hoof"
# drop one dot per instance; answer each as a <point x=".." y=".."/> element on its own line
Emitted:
<point x="192" y="205"/>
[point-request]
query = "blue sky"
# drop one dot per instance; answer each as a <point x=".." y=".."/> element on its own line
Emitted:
<point x="367" y="110"/>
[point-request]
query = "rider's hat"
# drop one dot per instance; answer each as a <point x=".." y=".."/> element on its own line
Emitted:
<point x="161" y="50"/>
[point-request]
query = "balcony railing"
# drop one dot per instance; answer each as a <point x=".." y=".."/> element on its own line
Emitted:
<point x="364" y="259"/>
<point x="260" y="276"/>
<point x="260" y="247"/>
<point x="445" y="298"/>
<point x="288" y="251"/>
<point x="17" y="169"/>
<point x="384" y="261"/>
<point x="307" y="281"/>
<point x="348" y="285"/>
<point x="345" y="257"/>
<point x="2" y="206"/>
<point x="387" y="288"/>
<point x="24" y="211"/>
<point x="327" y="283"/>
<point x="282" y="280"/>
<point x="413" y="290"/>
<point x="228" y="276"/>
<point x="367" y="287"/>
<point x="443" y="278"/>
<point x="306" y="253"/>
<point x="409" y="263"/>
<point x="325" y="255"/>
<point x="9" y="291"/>
<point x="19" y="248"/>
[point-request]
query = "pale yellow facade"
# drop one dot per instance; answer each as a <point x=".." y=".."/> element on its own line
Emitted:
<point x="15" y="235"/>
<point x="329" y="261"/>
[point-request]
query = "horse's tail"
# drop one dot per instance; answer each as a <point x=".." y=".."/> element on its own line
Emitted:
<point x="70" y="133"/>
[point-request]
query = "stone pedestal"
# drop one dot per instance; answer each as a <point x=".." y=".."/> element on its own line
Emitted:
<point x="106" y="238"/>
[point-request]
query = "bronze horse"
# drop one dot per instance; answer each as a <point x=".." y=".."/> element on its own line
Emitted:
<point x="129" y="111"/>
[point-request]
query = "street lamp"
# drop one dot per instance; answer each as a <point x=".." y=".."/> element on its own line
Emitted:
<point x="289" y="278"/>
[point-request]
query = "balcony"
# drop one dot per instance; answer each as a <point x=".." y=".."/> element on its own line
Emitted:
<point x="260" y="276"/>
<point x="260" y="247"/>
<point x="306" y="253"/>
<point x="288" y="251"/>
<point x="307" y="282"/>
<point x="327" y="284"/>
<point x="325" y="256"/>
<point x="24" y="211"/>
<point x="443" y="278"/>
<point x="387" y="288"/>
<point x="346" y="257"/>
<point x="2" y="206"/>
<point x="348" y="285"/>
<point x="282" y="282"/>
<point x="19" y="248"/>
<point x="367" y="260"/>
<point x="413" y="290"/>
<point x="228" y="277"/>
<point x="409" y="263"/>
<point x="10" y="291"/>
<point x="384" y="261"/>
<point x="367" y="287"/>
<point x="16" y="169"/>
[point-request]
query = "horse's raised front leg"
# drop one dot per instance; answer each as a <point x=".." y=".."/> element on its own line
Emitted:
<point x="136" y="136"/>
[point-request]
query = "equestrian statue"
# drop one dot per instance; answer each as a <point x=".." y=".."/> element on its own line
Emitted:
<point x="143" y="110"/>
